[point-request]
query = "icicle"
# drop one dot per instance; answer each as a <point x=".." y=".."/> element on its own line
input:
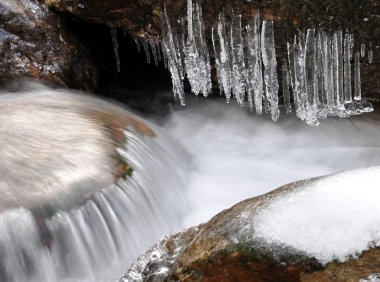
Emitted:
<point x="362" y="105"/>
<point x="174" y="62"/>
<point x="299" y="75"/>
<point x="115" y="48"/>
<point x="357" y="79"/>
<point x="197" y="60"/>
<point x="238" y="64"/>
<point x="320" y="95"/>
<point x="164" y="55"/>
<point x="206" y="70"/>
<point x="182" y="46"/>
<point x="338" y="75"/>
<point x="225" y="57"/>
<point x="258" y="91"/>
<point x="362" y="50"/>
<point x="152" y="44"/>
<point x="158" y="48"/>
<point x="310" y="61"/>
<point x="285" y="87"/>
<point x="270" y="68"/>
<point x="217" y="51"/>
<point x="250" y="61"/>
<point x="138" y="45"/>
<point x="370" y="53"/>
<point x="348" y="103"/>
<point x="290" y="48"/>
<point x="327" y="63"/>
<point x="145" y="44"/>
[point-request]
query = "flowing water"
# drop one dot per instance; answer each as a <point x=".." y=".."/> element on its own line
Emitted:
<point x="239" y="155"/>
<point x="54" y="146"/>
<point x="236" y="155"/>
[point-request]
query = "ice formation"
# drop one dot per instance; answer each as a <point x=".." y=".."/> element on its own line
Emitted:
<point x="115" y="48"/>
<point x="197" y="59"/>
<point x="370" y="54"/>
<point x="268" y="54"/>
<point x="221" y="44"/>
<point x="316" y="74"/>
<point x="320" y="71"/>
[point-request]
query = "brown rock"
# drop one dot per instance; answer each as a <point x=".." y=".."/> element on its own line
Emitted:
<point x="35" y="44"/>
<point x="219" y="250"/>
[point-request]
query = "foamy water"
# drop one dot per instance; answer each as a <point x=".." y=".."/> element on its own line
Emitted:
<point x="239" y="155"/>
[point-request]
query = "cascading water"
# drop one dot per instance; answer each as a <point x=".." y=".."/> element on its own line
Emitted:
<point x="239" y="155"/>
<point x="58" y="222"/>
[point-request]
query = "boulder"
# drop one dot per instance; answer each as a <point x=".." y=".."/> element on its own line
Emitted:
<point x="278" y="237"/>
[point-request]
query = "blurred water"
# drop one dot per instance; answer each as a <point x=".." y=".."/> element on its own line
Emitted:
<point x="239" y="155"/>
<point x="62" y="215"/>
<point x="63" y="219"/>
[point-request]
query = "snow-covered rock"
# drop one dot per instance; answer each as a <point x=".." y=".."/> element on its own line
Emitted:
<point x="313" y="230"/>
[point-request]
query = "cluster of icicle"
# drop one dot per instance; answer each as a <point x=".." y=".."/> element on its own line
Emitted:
<point x="239" y="71"/>
<point x="317" y="72"/>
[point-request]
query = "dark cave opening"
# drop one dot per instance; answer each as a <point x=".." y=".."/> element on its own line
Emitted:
<point x="143" y="86"/>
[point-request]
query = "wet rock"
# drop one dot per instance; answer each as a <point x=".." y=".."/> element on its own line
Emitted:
<point x="35" y="44"/>
<point x="224" y="249"/>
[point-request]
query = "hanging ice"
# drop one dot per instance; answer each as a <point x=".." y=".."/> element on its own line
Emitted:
<point x="153" y="47"/>
<point x="173" y="58"/>
<point x="221" y="40"/>
<point x="338" y="76"/>
<point x="270" y="68"/>
<point x="115" y="48"/>
<point x="217" y="48"/>
<point x="299" y="75"/>
<point x="254" y="74"/>
<point x="310" y="82"/>
<point x="362" y="50"/>
<point x="348" y="103"/>
<point x="291" y="59"/>
<point x="285" y="87"/>
<point x="145" y="45"/>
<point x="362" y="105"/>
<point x="370" y="53"/>
<point x="321" y="98"/>
<point x="138" y="46"/>
<point x="249" y="57"/>
<point x="318" y="68"/>
<point x="197" y="59"/>
<point x="238" y="65"/>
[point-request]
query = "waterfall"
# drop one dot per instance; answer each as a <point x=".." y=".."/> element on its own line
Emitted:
<point x="99" y="236"/>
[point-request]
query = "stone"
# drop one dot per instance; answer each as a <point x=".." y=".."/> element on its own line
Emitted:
<point x="220" y="251"/>
<point x="35" y="44"/>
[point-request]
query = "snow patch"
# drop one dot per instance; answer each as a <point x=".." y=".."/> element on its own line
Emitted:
<point x="333" y="218"/>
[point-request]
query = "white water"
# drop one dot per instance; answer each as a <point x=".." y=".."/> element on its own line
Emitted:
<point x="51" y="138"/>
<point x="239" y="155"/>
